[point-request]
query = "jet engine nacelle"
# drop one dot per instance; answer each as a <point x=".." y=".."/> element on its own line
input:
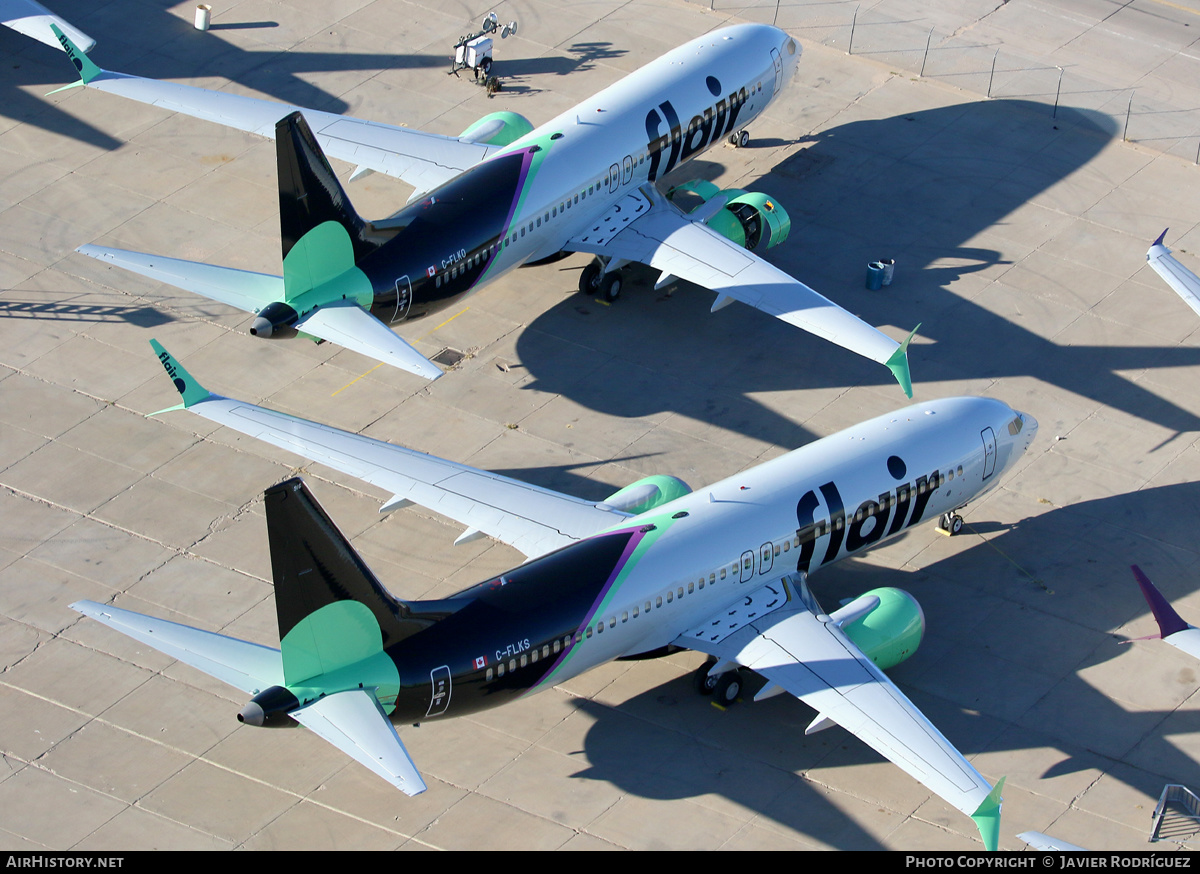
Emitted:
<point x="646" y="494"/>
<point x="889" y="632"/>
<point x="750" y="219"/>
<point x="274" y="320"/>
<point x="498" y="129"/>
<point x="270" y="709"/>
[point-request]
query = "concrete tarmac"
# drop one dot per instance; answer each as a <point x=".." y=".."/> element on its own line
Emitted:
<point x="1019" y="232"/>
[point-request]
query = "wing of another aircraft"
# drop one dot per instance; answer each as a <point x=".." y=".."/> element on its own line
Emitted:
<point x="34" y="20"/>
<point x="1172" y="627"/>
<point x="1185" y="283"/>
<point x="807" y="654"/>
<point x="241" y="664"/>
<point x="533" y="520"/>
<point x="354" y="722"/>
<point x="646" y="228"/>
<point x="423" y="160"/>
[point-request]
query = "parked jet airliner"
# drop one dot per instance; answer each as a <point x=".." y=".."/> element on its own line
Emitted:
<point x="652" y="569"/>
<point x="502" y="195"/>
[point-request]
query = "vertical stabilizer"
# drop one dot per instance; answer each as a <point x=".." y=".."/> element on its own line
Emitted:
<point x="321" y="234"/>
<point x="332" y="610"/>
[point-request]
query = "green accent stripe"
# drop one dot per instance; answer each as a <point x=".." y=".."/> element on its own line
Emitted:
<point x="86" y="67"/>
<point x="192" y="391"/>
<point x="987" y="817"/>
<point x="898" y="363"/>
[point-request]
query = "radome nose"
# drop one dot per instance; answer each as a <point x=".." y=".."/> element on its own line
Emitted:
<point x="1031" y="427"/>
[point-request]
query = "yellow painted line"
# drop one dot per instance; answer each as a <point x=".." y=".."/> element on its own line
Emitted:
<point x="356" y="379"/>
<point x="1176" y="6"/>
<point x="380" y="364"/>
<point x="448" y="321"/>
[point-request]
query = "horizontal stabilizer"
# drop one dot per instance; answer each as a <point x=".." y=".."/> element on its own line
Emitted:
<point x="349" y="325"/>
<point x="354" y="722"/>
<point x="241" y="289"/>
<point x="241" y="664"/>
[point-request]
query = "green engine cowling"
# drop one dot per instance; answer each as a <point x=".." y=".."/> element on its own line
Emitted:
<point x="647" y="493"/>
<point x="892" y="631"/>
<point x="749" y="218"/>
<point x="498" y="129"/>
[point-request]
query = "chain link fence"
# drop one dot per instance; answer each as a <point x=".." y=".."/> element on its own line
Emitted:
<point x="1161" y="112"/>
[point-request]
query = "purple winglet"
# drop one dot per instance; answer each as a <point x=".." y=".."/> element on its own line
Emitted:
<point x="1159" y="241"/>
<point x="1168" y="620"/>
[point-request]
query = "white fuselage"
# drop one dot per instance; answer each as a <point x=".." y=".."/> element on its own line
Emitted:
<point x="641" y="128"/>
<point x="801" y="511"/>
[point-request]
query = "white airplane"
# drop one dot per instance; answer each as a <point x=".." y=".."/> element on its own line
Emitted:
<point x="34" y="20"/>
<point x="503" y="195"/>
<point x="652" y="569"/>
<point x="1171" y="627"/>
<point x="1184" y="282"/>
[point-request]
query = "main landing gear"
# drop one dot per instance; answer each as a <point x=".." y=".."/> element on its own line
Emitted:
<point x="950" y="523"/>
<point x="739" y="139"/>
<point x="596" y="280"/>
<point x="725" y="688"/>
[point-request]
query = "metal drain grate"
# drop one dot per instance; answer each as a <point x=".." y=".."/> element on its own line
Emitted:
<point x="449" y="357"/>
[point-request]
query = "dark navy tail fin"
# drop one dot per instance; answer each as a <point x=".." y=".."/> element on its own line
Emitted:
<point x="314" y="566"/>
<point x="309" y="192"/>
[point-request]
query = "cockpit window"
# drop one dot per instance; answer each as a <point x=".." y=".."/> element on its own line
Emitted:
<point x="791" y="47"/>
<point x="1015" y="426"/>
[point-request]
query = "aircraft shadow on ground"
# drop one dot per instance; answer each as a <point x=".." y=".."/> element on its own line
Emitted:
<point x="163" y="46"/>
<point x="669" y="743"/>
<point x="68" y="311"/>
<point x="919" y="186"/>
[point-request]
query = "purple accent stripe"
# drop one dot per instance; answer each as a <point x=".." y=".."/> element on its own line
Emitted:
<point x="634" y="540"/>
<point x="526" y="161"/>
<point x="1169" y="622"/>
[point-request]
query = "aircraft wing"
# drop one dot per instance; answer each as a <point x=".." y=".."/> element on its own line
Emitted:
<point x="354" y="722"/>
<point x="533" y="520"/>
<point x="241" y="664"/>
<point x="807" y="654"/>
<point x="347" y="324"/>
<point x="241" y="289"/>
<point x="1171" y="626"/>
<point x="34" y="20"/>
<point x="646" y="228"/>
<point x="1185" y="283"/>
<point x="423" y="160"/>
<point x="1047" y="844"/>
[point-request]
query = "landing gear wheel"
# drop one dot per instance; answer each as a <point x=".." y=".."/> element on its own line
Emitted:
<point x="589" y="279"/>
<point x="610" y="286"/>
<point x="728" y="688"/>
<point x="703" y="682"/>
<point x="739" y="139"/>
<point x="951" y="523"/>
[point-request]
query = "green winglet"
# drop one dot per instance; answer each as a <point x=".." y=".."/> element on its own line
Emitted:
<point x="86" y="67"/>
<point x="898" y="364"/>
<point x="192" y="391"/>
<point x="987" y="817"/>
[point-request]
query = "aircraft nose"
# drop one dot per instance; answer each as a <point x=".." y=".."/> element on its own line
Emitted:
<point x="1029" y="427"/>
